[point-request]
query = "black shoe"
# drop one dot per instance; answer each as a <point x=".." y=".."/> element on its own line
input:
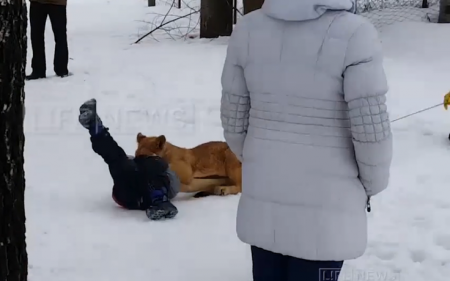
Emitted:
<point x="34" y="76"/>
<point x="161" y="207"/>
<point x="62" y="75"/>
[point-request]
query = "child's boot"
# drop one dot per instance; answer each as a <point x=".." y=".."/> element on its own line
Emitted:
<point x="160" y="207"/>
<point x="89" y="119"/>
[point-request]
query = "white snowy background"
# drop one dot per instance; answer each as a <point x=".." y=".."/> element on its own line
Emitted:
<point x="75" y="232"/>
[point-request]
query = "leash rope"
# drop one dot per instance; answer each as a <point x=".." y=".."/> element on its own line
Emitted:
<point x="417" y="112"/>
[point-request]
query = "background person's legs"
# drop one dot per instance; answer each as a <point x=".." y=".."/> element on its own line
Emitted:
<point x="38" y="18"/>
<point x="58" y="19"/>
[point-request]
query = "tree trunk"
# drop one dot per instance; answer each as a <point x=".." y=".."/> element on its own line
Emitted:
<point x="251" y="5"/>
<point x="444" y="11"/>
<point x="13" y="50"/>
<point x="216" y="18"/>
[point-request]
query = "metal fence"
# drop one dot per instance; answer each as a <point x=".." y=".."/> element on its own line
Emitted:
<point x="386" y="12"/>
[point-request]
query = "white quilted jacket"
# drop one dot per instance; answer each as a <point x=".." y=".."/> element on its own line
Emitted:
<point x="304" y="107"/>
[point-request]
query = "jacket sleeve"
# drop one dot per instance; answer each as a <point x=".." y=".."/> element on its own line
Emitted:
<point x="365" y="89"/>
<point x="235" y="102"/>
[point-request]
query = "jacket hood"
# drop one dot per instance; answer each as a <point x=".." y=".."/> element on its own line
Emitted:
<point x="303" y="10"/>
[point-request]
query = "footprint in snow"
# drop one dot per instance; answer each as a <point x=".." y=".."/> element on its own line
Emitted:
<point x="384" y="251"/>
<point x="443" y="240"/>
<point x="418" y="255"/>
<point x="443" y="205"/>
<point x="422" y="179"/>
<point x="427" y="132"/>
<point x="386" y="255"/>
<point x="421" y="222"/>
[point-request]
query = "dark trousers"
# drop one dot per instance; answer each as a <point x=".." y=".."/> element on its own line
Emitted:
<point x="269" y="266"/>
<point x="127" y="188"/>
<point x="58" y="19"/>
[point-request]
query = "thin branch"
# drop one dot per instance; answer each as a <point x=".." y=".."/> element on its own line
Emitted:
<point x="176" y="30"/>
<point x="164" y="24"/>
<point x="171" y="6"/>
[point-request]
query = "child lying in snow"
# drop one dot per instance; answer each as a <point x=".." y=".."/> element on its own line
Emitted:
<point x="141" y="183"/>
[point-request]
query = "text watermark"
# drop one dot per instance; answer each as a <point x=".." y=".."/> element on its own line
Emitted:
<point x="330" y="274"/>
<point x="183" y="117"/>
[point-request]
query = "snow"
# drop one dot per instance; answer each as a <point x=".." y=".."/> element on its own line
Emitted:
<point x="76" y="232"/>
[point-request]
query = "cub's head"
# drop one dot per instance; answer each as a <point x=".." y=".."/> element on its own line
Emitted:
<point x="149" y="146"/>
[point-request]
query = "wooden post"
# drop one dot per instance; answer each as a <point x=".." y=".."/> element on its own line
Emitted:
<point x="444" y="11"/>
<point x="251" y="5"/>
<point x="151" y="3"/>
<point x="216" y="18"/>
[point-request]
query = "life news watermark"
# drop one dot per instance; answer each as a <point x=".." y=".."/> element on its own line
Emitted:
<point x="332" y="274"/>
<point x="188" y="117"/>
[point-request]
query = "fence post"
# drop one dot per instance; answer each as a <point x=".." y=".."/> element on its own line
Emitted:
<point x="151" y="3"/>
<point x="444" y="11"/>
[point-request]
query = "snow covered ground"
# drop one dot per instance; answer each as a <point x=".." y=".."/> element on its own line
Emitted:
<point x="76" y="232"/>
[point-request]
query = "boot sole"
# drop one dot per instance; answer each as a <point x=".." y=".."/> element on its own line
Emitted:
<point x="160" y="214"/>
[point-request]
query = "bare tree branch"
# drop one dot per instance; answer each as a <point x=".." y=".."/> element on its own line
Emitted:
<point x="164" y="24"/>
<point x="173" y="28"/>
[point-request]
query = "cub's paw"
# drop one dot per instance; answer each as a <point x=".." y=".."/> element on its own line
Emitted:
<point x="222" y="190"/>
